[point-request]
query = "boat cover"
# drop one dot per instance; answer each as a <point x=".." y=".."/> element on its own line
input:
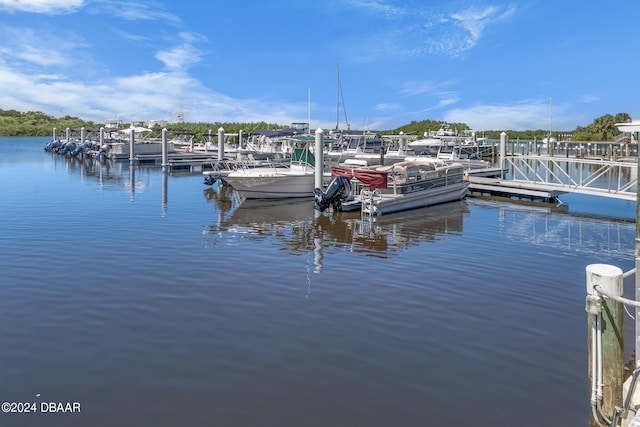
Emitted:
<point x="368" y="178"/>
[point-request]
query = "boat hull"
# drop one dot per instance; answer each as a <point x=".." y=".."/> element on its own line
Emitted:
<point x="386" y="203"/>
<point x="272" y="186"/>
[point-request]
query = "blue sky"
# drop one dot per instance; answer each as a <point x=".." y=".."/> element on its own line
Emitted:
<point x="495" y="65"/>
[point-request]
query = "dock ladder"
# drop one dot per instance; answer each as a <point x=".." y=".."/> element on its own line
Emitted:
<point x="367" y="199"/>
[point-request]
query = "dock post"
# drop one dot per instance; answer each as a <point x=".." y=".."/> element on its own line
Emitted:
<point x="637" y="283"/>
<point x="503" y="153"/>
<point x="101" y="138"/>
<point x="68" y="134"/>
<point x="240" y="132"/>
<point x="165" y="150"/>
<point x="132" y="150"/>
<point x="209" y="138"/>
<point x="220" y="143"/>
<point x="55" y="134"/>
<point x="319" y="154"/>
<point x="605" y="337"/>
<point x="82" y="135"/>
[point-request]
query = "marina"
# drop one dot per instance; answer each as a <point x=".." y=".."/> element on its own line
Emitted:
<point x="135" y="288"/>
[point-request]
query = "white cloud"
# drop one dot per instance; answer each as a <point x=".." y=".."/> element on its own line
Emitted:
<point x="49" y="7"/>
<point x="426" y="87"/>
<point x="425" y="31"/>
<point x="474" y="21"/>
<point x="138" y="97"/>
<point x="376" y="7"/>
<point x="525" y="115"/>
<point x="40" y="48"/>
<point x="179" y="57"/>
<point x="448" y="101"/>
<point x="388" y="107"/>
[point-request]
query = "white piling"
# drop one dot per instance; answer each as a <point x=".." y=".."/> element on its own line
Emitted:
<point x="503" y="152"/>
<point x="240" y="138"/>
<point x="319" y="161"/>
<point x="608" y="377"/>
<point x="68" y="134"/>
<point x="220" y="143"/>
<point x="82" y="135"/>
<point x="132" y="143"/>
<point x="165" y="150"/>
<point x="55" y="134"/>
<point x="101" y="137"/>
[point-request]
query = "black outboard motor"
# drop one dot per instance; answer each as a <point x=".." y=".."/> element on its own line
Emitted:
<point x="338" y="190"/>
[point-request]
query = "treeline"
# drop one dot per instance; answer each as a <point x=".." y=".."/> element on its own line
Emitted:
<point x="35" y="123"/>
<point x="602" y="128"/>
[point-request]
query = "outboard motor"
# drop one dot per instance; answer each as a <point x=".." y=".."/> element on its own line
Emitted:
<point x="210" y="179"/>
<point x="338" y="190"/>
<point x="80" y="149"/>
<point x="67" y="147"/>
<point x="52" y="145"/>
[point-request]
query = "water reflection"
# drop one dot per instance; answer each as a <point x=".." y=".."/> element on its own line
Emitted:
<point x="300" y="228"/>
<point x="556" y="227"/>
<point x="109" y="174"/>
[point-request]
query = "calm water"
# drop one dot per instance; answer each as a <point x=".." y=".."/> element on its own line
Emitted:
<point x="154" y="300"/>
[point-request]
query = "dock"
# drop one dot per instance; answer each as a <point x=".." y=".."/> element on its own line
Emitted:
<point x="487" y="186"/>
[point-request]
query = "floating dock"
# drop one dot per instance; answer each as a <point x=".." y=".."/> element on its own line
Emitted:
<point x="506" y="188"/>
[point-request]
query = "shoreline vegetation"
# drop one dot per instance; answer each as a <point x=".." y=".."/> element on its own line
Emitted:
<point x="35" y="123"/>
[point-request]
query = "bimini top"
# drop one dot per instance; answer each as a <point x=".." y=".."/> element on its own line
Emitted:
<point x="279" y="132"/>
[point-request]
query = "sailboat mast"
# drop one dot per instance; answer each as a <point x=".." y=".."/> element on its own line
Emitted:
<point x="337" y="96"/>
<point x="309" y="110"/>
<point x="550" y="116"/>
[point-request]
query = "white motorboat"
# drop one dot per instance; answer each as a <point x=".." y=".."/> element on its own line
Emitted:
<point x="467" y="155"/>
<point x="350" y="144"/>
<point x="277" y="180"/>
<point x="399" y="187"/>
<point x="426" y="146"/>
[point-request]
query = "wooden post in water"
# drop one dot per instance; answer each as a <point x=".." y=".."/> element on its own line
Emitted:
<point x="608" y="359"/>
<point x="319" y="155"/>
<point x="165" y="150"/>
<point x="68" y="134"/>
<point x="55" y="134"/>
<point x="220" y="143"/>
<point x="101" y="138"/>
<point x="240" y="134"/>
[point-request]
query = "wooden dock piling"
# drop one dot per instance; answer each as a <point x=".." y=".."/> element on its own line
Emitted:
<point x="606" y="353"/>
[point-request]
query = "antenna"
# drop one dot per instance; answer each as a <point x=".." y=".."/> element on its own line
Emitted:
<point x="337" y="96"/>
<point x="309" y="110"/>
<point x="550" y="116"/>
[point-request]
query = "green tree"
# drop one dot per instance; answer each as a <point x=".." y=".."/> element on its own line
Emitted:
<point x="604" y="124"/>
